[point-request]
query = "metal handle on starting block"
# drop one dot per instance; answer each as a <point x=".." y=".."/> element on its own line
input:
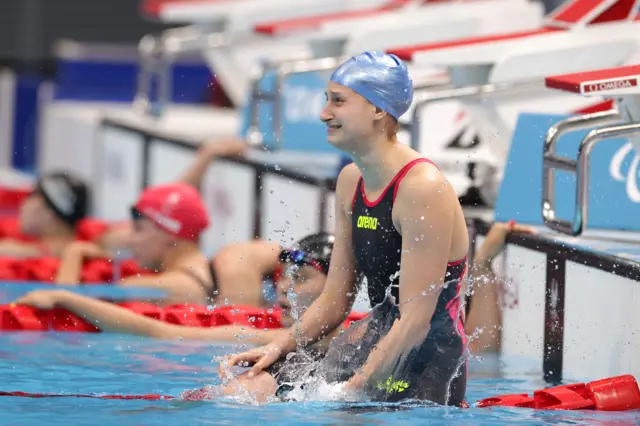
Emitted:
<point x="551" y="162"/>
<point x="283" y="70"/>
<point x="157" y="53"/>
<point x="481" y="91"/>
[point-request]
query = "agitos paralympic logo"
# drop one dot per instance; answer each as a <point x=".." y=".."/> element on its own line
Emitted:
<point x="630" y="178"/>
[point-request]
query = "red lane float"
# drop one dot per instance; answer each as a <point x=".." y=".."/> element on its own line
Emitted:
<point x="147" y="397"/>
<point x="25" y="318"/>
<point x="619" y="393"/>
<point x="44" y="269"/>
<point x="613" y="394"/>
<point x="88" y="229"/>
<point x="11" y="198"/>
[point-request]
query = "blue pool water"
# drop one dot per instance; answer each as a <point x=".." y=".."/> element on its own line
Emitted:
<point x="121" y="364"/>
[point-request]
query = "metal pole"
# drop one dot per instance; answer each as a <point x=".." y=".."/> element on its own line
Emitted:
<point x="551" y="161"/>
<point x="586" y="147"/>
<point x="157" y="55"/>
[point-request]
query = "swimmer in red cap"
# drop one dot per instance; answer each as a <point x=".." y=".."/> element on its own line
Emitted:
<point x="167" y="221"/>
<point x="231" y="276"/>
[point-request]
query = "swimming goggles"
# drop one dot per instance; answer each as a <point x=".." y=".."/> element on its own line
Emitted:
<point x="301" y="258"/>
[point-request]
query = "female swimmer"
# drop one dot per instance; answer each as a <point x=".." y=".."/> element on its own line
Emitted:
<point x="400" y="224"/>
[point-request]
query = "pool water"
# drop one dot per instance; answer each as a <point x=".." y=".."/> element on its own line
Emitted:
<point x="121" y="364"/>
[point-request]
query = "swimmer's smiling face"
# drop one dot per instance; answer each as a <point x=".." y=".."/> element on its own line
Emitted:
<point x="349" y="117"/>
<point x="306" y="283"/>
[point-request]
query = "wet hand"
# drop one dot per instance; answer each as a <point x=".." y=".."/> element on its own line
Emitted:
<point x="260" y="358"/>
<point x="226" y="148"/>
<point x="355" y="383"/>
<point x="41" y="299"/>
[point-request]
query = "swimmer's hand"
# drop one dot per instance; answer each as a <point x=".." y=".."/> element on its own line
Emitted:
<point x="41" y="299"/>
<point x="259" y="358"/>
<point x="355" y="384"/>
<point x="226" y="148"/>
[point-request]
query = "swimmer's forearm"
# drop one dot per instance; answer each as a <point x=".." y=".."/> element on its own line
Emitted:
<point x="12" y="248"/>
<point x="109" y="317"/>
<point x="227" y="333"/>
<point x="321" y="319"/>
<point x="112" y="318"/>
<point x="70" y="269"/>
<point x="193" y="175"/>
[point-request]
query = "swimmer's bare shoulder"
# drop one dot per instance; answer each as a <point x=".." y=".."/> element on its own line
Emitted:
<point x="425" y="197"/>
<point x="426" y="182"/>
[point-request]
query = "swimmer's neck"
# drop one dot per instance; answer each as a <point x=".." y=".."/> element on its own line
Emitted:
<point x="381" y="160"/>
<point x="183" y="254"/>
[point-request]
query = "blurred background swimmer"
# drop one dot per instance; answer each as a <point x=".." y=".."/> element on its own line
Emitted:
<point x="49" y="217"/>
<point x="305" y="265"/>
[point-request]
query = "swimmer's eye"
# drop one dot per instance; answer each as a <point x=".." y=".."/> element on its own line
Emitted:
<point x="335" y="99"/>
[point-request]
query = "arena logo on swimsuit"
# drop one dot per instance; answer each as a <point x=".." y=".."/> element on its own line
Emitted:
<point x="367" y="222"/>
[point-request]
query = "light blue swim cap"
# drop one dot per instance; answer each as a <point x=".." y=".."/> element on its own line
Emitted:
<point x="380" y="78"/>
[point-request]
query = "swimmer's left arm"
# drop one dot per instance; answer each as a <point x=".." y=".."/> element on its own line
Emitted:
<point x="424" y="215"/>
<point x="14" y="248"/>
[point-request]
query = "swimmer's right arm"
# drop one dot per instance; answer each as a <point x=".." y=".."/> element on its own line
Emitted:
<point x="331" y="308"/>
<point x="208" y="153"/>
<point x="116" y="319"/>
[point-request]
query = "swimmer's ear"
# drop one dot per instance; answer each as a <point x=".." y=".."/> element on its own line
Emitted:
<point x="378" y="113"/>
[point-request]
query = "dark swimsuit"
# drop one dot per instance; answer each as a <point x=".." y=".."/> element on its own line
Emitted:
<point x="433" y="370"/>
<point x="211" y="290"/>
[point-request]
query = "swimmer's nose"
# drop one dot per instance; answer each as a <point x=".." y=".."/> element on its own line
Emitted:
<point x="325" y="115"/>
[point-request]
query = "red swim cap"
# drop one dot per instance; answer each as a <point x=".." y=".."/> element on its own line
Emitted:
<point x="177" y="208"/>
